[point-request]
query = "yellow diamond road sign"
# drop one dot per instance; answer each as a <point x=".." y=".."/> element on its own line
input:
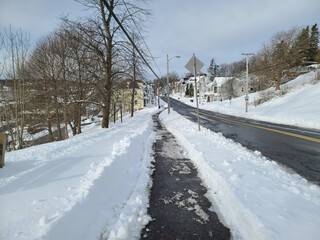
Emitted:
<point x="190" y="65"/>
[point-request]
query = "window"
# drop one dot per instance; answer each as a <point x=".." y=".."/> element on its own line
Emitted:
<point x="135" y="92"/>
<point x="215" y="90"/>
<point x="135" y="102"/>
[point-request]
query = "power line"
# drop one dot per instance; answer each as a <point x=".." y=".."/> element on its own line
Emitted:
<point x="127" y="35"/>
<point x="141" y="35"/>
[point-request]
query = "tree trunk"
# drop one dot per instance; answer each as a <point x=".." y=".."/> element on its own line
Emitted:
<point x="79" y="117"/>
<point x="108" y="62"/>
<point x="278" y="82"/>
<point x="51" y="139"/>
<point x="104" y="118"/>
<point x="58" y="124"/>
<point x="65" y="116"/>
<point x="133" y="82"/>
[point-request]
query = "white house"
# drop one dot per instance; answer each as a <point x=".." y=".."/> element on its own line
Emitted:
<point x="148" y="94"/>
<point x="223" y="88"/>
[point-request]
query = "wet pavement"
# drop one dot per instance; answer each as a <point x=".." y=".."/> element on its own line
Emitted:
<point x="178" y="205"/>
<point x="295" y="154"/>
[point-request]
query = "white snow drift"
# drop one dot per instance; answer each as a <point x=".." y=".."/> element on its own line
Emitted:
<point x="255" y="197"/>
<point x="92" y="185"/>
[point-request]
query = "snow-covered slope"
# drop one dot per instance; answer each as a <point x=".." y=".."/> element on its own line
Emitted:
<point x="300" y="107"/>
<point x="90" y="185"/>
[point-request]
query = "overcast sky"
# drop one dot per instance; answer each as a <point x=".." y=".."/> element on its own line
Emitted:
<point x="208" y="28"/>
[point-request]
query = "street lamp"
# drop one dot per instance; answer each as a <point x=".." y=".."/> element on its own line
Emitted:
<point x="168" y="60"/>
<point x="247" y="79"/>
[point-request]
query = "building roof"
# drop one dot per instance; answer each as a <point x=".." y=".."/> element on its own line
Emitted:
<point x="128" y="84"/>
<point x="221" y="80"/>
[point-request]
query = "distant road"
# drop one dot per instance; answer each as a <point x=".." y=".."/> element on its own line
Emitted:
<point x="293" y="147"/>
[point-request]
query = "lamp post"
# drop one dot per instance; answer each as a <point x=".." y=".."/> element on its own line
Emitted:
<point x="168" y="60"/>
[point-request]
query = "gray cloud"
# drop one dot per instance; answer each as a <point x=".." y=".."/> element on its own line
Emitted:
<point x="222" y="29"/>
<point x="37" y="17"/>
<point x="208" y="28"/>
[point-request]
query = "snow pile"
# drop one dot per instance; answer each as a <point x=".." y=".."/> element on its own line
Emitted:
<point x="90" y="186"/>
<point x="254" y="196"/>
<point x="299" y="107"/>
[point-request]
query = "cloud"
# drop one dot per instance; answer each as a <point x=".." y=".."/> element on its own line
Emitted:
<point x="222" y="29"/>
<point x="208" y="28"/>
<point x="37" y="17"/>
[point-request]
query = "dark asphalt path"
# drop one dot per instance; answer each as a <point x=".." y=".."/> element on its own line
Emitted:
<point x="177" y="202"/>
<point x="299" y="155"/>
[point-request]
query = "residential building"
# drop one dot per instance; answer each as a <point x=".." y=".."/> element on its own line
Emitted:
<point x="149" y="94"/>
<point x="223" y="88"/>
<point x="123" y="95"/>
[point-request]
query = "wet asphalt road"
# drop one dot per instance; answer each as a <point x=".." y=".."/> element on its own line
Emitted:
<point x="300" y="155"/>
<point x="178" y="206"/>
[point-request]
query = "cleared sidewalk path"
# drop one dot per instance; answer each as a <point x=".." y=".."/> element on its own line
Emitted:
<point x="178" y="205"/>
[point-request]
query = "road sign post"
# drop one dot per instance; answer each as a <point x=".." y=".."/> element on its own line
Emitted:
<point x="195" y="65"/>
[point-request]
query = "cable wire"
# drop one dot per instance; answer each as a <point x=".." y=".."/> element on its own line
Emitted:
<point x="129" y="38"/>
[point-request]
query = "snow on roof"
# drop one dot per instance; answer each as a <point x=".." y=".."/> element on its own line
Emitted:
<point x="210" y="84"/>
<point x="221" y="80"/>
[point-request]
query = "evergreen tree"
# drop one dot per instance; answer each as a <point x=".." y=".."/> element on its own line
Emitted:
<point x="300" y="50"/>
<point x="187" y="93"/>
<point x="191" y="90"/>
<point x="314" y="42"/>
<point x="212" y="69"/>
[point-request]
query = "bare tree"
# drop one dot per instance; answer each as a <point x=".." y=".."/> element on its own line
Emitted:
<point x="102" y="36"/>
<point x="16" y="46"/>
<point x="39" y="70"/>
<point x="229" y="85"/>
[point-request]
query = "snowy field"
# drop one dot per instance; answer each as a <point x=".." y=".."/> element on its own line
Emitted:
<point x="92" y="185"/>
<point x="95" y="185"/>
<point x="299" y="107"/>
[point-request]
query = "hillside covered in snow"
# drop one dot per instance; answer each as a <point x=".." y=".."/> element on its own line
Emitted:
<point x="297" y="103"/>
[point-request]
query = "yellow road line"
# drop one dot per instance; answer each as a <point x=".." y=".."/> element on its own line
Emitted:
<point x="265" y="128"/>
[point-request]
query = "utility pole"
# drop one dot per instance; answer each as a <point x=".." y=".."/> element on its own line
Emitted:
<point x="168" y="89"/>
<point x="247" y="78"/>
<point x="158" y="94"/>
<point x="134" y="65"/>
<point x="168" y="97"/>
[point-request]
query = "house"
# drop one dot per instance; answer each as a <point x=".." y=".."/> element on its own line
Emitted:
<point x="148" y="94"/>
<point x="180" y="86"/>
<point x="123" y="94"/>
<point x="202" y="82"/>
<point x="307" y="66"/>
<point x="223" y="88"/>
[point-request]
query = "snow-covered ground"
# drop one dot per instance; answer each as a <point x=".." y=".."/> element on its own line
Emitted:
<point x="299" y="107"/>
<point x="255" y="197"/>
<point x="90" y="185"/>
<point x="95" y="185"/>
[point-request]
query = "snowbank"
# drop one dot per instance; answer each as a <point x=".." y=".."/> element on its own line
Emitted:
<point x="254" y="196"/>
<point x="299" y="107"/>
<point x="92" y="185"/>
